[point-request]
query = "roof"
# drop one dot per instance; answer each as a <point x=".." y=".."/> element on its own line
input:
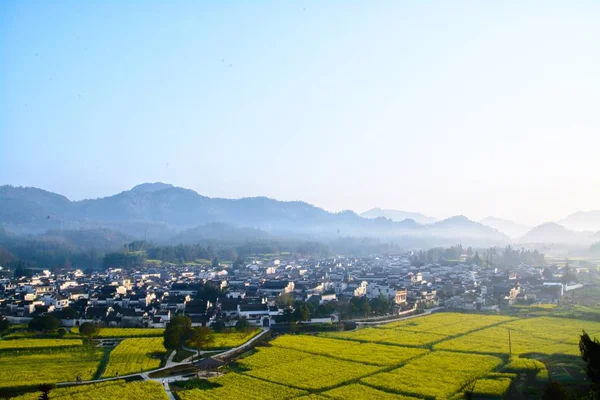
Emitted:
<point x="209" y="363"/>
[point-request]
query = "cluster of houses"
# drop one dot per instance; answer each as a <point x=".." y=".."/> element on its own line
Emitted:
<point x="149" y="296"/>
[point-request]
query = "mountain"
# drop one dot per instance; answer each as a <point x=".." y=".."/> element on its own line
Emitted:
<point x="463" y="230"/>
<point x="221" y="232"/>
<point x="161" y="212"/>
<point x="508" y="227"/>
<point x="553" y="233"/>
<point x="582" y="221"/>
<point x="397" y="215"/>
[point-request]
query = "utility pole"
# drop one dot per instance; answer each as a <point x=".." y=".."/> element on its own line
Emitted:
<point x="509" y="344"/>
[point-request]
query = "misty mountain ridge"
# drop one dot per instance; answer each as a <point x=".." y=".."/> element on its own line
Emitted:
<point x="510" y="228"/>
<point x="397" y="215"/>
<point x="160" y="211"/>
<point x="582" y="221"/>
<point x="551" y="232"/>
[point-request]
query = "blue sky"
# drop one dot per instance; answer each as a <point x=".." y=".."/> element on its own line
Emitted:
<point x="466" y="107"/>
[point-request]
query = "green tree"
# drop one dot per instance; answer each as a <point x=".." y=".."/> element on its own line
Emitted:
<point x="4" y="324"/>
<point x="218" y="326"/>
<point x="285" y="300"/>
<point x="200" y="338"/>
<point x="242" y="325"/>
<point x="301" y="311"/>
<point x="90" y="330"/>
<point x="177" y="332"/>
<point x="590" y="352"/>
<point x="44" y="323"/>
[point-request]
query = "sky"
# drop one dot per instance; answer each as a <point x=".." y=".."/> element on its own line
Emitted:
<point x="446" y="108"/>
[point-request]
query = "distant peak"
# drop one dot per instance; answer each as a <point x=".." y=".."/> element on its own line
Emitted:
<point x="151" y="187"/>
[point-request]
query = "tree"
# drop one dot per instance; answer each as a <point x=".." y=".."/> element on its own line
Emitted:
<point x="68" y="313"/>
<point x="61" y="332"/>
<point x="242" y="325"/>
<point x="4" y="324"/>
<point x="301" y="311"/>
<point x="200" y="338"/>
<point x="284" y="300"/>
<point x="547" y="273"/>
<point x="177" y="332"/>
<point x="89" y="329"/>
<point x="590" y="352"/>
<point x="215" y="263"/>
<point x="218" y="326"/>
<point x="44" y="323"/>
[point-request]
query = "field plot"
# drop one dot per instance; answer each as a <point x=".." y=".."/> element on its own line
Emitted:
<point x="33" y="367"/>
<point x="388" y="336"/>
<point x="20" y="344"/>
<point x="554" y="329"/>
<point x="492" y="387"/>
<point x="232" y="339"/>
<point x="113" y="390"/>
<point x="237" y="386"/>
<point x="316" y="372"/>
<point x="313" y="344"/>
<point x="126" y="332"/>
<point x="446" y="374"/>
<point x="358" y="391"/>
<point x="447" y="324"/>
<point x="531" y="335"/>
<point x="270" y="356"/>
<point x="135" y="355"/>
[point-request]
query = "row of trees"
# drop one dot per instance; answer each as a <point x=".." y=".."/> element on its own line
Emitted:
<point x="508" y="257"/>
<point x="295" y="311"/>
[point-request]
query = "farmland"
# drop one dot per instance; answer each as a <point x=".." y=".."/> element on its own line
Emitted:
<point x="112" y="390"/>
<point x="126" y="332"/>
<point x="24" y="344"/>
<point x="238" y="386"/>
<point x="459" y="352"/>
<point x="33" y="367"/>
<point x="135" y="355"/>
<point x="227" y="340"/>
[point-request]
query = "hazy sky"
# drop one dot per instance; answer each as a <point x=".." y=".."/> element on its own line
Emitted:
<point x="476" y="108"/>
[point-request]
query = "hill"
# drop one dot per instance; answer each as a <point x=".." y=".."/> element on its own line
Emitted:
<point x="397" y="215"/>
<point x="160" y="212"/>
<point x="582" y="221"/>
<point x="508" y="227"/>
<point x="557" y="234"/>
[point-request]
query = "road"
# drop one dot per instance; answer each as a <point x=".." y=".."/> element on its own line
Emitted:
<point x="168" y="364"/>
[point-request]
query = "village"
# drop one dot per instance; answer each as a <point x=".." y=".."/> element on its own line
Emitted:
<point x="267" y="291"/>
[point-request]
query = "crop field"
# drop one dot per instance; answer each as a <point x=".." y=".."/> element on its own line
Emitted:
<point x="358" y="391"/>
<point x="135" y="355"/>
<point x="112" y="390"/>
<point x="270" y="356"/>
<point x="492" y="387"/>
<point x="447" y="373"/>
<point x="34" y="367"/>
<point x="316" y="372"/>
<point x="542" y="335"/>
<point x="388" y="336"/>
<point x="232" y="339"/>
<point x="126" y="332"/>
<point x="238" y="386"/>
<point x="21" y="344"/>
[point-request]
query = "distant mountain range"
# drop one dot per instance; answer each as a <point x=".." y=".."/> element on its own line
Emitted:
<point x="164" y="212"/>
<point x="553" y="233"/>
<point x="397" y="215"/>
<point x="582" y="221"/>
<point x="511" y="228"/>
